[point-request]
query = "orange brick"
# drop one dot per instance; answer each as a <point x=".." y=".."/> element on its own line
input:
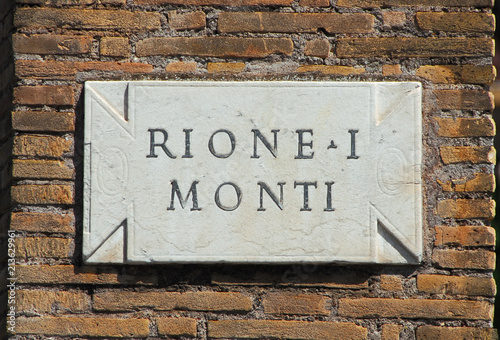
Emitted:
<point x="181" y="67"/>
<point x="391" y="70"/>
<point x="262" y="22"/>
<point x="27" y="247"/>
<point x="466" y="127"/>
<point x="225" y="67"/>
<point x="114" y="47"/>
<point x="300" y="304"/>
<point x="314" y="3"/>
<point x="68" y="274"/>
<point x="83" y="327"/>
<point x="38" y="69"/>
<point x="42" y="194"/>
<point x="465" y="259"/>
<point x="480" y="182"/>
<point x="456" y="22"/>
<point x="42" y="301"/>
<point x="465" y="236"/>
<point x="177" y="327"/>
<point x="43" y="222"/>
<point x="224" y="47"/>
<point x="199" y="301"/>
<point x="466" y="208"/>
<point x="46" y="121"/>
<point x="464" y="100"/>
<point x="391" y="331"/>
<point x="456" y="285"/>
<point x="262" y="329"/>
<point x="51" y="44"/>
<point x="414" y="47"/>
<point x="472" y="154"/>
<point x="455" y="74"/>
<point x="187" y="21"/>
<point x="317" y="48"/>
<point x="391" y="283"/>
<point x="113" y="66"/>
<point x="41" y="169"/>
<point x="415" y="309"/>
<point x="41" y="146"/>
<point x="393" y="18"/>
<point x="406" y="3"/>
<point x="217" y="2"/>
<point x="453" y="333"/>
<point x="331" y="69"/>
<point x="86" y="19"/>
<point x="44" y="95"/>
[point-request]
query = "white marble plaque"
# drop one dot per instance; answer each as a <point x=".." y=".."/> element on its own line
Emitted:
<point x="252" y="172"/>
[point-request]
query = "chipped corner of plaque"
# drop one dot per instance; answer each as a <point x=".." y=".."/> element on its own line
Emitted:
<point x="110" y="250"/>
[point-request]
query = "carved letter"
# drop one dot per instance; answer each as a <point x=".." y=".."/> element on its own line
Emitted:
<point x="152" y="143"/>
<point x="306" y="193"/>
<point x="187" y="153"/>
<point x="302" y="145"/>
<point x="273" y="150"/>
<point x="329" y="196"/>
<point x="238" y="195"/>
<point x="177" y="191"/>
<point x="263" y="186"/>
<point x="211" y="144"/>
<point x="353" y="144"/>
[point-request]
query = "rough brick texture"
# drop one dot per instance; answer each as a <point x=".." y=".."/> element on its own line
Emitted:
<point x="50" y="48"/>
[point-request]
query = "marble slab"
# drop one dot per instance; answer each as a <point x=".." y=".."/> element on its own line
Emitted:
<point x="252" y="172"/>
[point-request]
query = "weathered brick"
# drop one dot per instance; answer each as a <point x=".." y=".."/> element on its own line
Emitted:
<point x="414" y="47"/>
<point x="415" y="309"/>
<point x="391" y="331"/>
<point x="480" y="182"/>
<point x="225" y="67"/>
<point x="86" y="19"/>
<point x="393" y="19"/>
<point x="261" y="329"/>
<point x="300" y="304"/>
<point x="466" y="127"/>
<point x="187" y="21"/>
<point x="453" y="333"/>
<point x="27" y="247"/>
<point x="46" y="121"/>
<point x="224" y="47"/>
<point x="391" y="283"/>
<point x="51" y="44"/>
<point x="38" y="301"/>
<point x="216" y="2"/>
<point x="464" y="100"/>
<point x="473" y="154"/>
<point x="177" y="327"/>
<point x="456" y="22"/>
<point x="465" y="236"/>
<point x="466" y="259"/>
<point x="331" y="69"/>
<point x="42" y="194"/>
<point x="200" y="301"/>
<point x="391" y="70"/>
<point x="456" y="285"/>
<point x="466" y="208"/>
<point x="181" y="67"/>
<point x="314" y="3"/>
<point x="41" y="169"/>
<point x="262" y="22"/>
<point x="114" y="47"/>
<point x="407" y="3"/>
<point x="455" y="74"/>
<point x="113" y="66"/>
<point x="41" y="146"/>
<point x="83" y="327"/>
<point x="68" y="274"/>
<point x="317" y="48"/>
<point x="44" y="95"/>
<point x="58" y="2"/>
<point x="43" y="222"/>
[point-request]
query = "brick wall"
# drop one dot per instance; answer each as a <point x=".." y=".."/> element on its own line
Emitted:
<point x="59" y="44"/>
